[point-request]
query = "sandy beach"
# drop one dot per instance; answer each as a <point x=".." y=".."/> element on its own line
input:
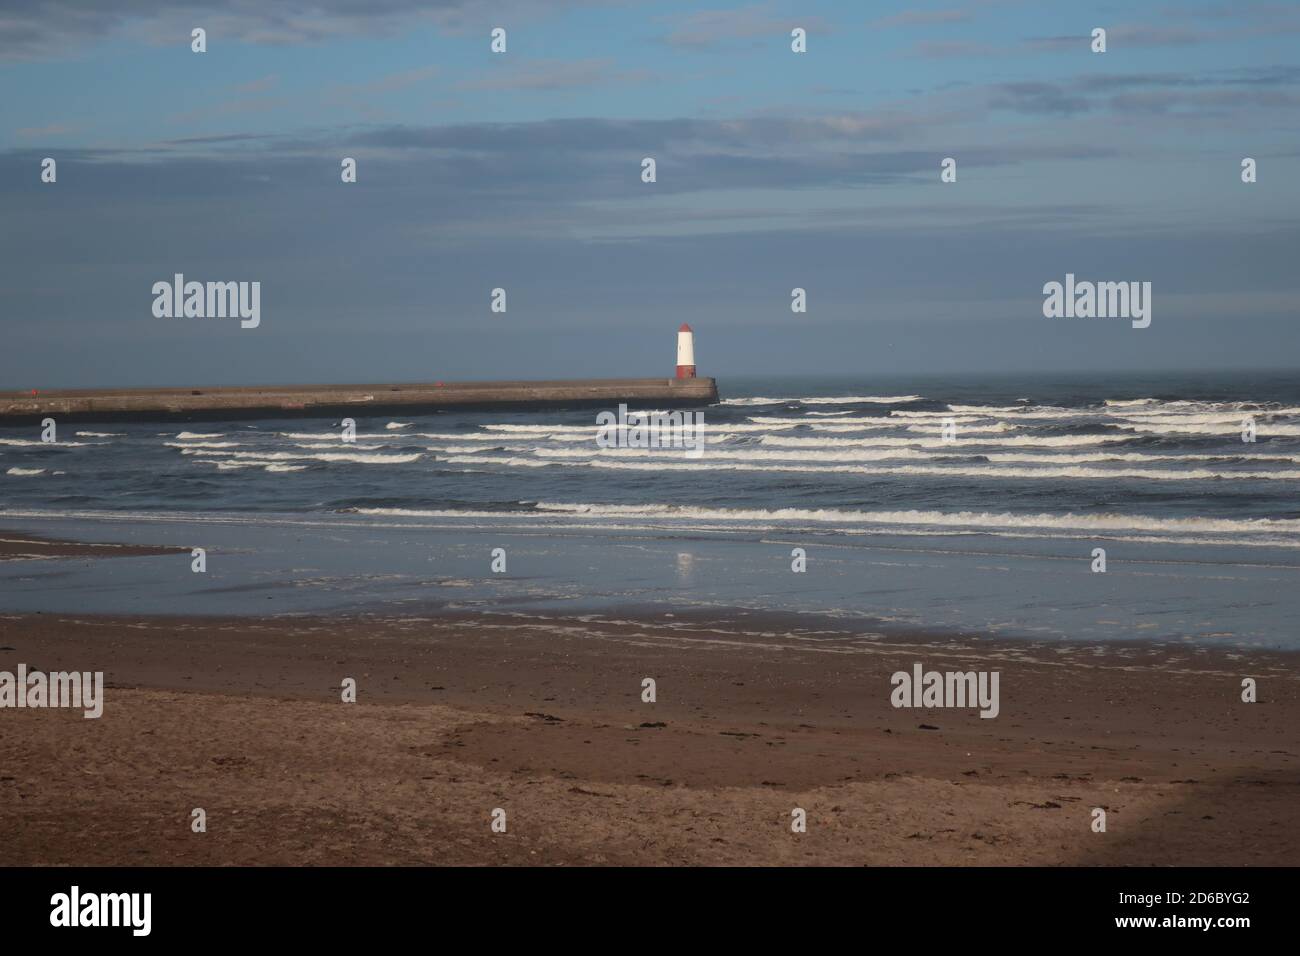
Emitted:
<point x="543" y="717"/>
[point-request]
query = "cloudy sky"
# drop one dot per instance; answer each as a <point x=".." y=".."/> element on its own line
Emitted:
<point x="522" y="170"/>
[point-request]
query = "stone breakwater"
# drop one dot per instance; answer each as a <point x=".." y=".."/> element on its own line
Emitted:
<point x="307" y="401"/>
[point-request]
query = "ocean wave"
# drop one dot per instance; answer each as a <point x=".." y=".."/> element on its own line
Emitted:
<point x="933" y="428"/>
<point x="1018" y="412"/>
<point x="677" y="460"/>
<point x="270" y="466"/>
<point x="230" y="465"/>
<point x="739" y="454"/>
<point x="1046" y="441"/>
<point x="335" y="436"/>
<point x="1212" y="418"/>
<point x="354" y="457"/>
<point x="1107" y="521"/>
<point x="818" y="400"/>
<point x="1248" y="531"/>
<point x="803" y="453"/>
<point x="1000" y="409"/>
<point x="880" y="421"/>
<point x="1262" y="429"/>
<point x="936" y="417"/>
<point x="938" y="427"/>
<point x="1158" y="404"/>
<point x="1194" y="530"/>
<point x="25" y="472"/>
<point x="558" y="432"/>
<point x="27" y="442"/>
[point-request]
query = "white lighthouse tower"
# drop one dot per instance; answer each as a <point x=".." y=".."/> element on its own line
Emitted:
<point x="685" y="352"/>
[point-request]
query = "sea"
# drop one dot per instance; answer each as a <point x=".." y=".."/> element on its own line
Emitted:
<point x="1062" y="508"/>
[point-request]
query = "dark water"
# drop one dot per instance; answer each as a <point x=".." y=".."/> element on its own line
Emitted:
<point x="1200" y="527"/>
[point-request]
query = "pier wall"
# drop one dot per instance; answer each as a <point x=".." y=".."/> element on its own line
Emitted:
<point x="324" y="401"/>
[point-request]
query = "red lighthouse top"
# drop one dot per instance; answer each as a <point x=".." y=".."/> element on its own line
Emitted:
<point x="685" y="328"/>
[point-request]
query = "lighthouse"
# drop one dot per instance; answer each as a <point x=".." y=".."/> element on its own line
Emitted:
<point x="685" y="352"/>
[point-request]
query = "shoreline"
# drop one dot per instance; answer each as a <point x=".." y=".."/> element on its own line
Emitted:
<point x="1028" y="591"/>
<point x="543" y="716"/>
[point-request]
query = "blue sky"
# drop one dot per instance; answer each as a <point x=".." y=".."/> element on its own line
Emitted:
<point x="521" y="170"/>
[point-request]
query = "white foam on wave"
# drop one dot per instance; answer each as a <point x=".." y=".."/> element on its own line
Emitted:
<point x="358" y="457"/>
<point x="1212" y="418"/>
<point x="565" y="432"/>
<point x="584" y="435"/>
<point x="1046" y="441"/>
<point x="230" y="465"/>
<point x="472" y="449"/>
<point x="1134" y="457"/>
<point x="1282" y="532"/>
<point x="767" y="452"/>
<point x="739" y="454"/>
<point x="820" y="400"/>
<point x="454" y="436"/>
<point x="990" y="409"/>
<point x="1263" y="429"/>
<point x="1049" y="412"/>
<point x="52" y="444"/>
<point x="393" y="426"/>
<point x="336" y="436"/>
<point x="200" y="435"/>
<point x="25" y="472"/>
<point x="930" y="428"/>
<point x="1107" y="521"/>
<point x="880" y="421"/>
<point x="675" y="460"/>
<point x="935" y="427"/>
<point x="1272" y="532"/>
<point x="101" y="434"/>
<point x="1157" y="405"/>
<point x="897" y="416"/>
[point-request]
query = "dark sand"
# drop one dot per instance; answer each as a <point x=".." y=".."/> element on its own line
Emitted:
<point x="16" y="546"/>
<point x="544" y="719"/>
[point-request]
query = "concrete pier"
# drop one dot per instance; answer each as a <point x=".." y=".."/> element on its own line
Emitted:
<point x="337" y="401"/>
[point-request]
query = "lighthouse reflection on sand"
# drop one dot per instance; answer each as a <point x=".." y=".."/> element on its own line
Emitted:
<point x="657" y="430"/>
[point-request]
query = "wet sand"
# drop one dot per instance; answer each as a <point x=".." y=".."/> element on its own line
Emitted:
<point x="543" y="718"/>
<point x="17" y="546"/>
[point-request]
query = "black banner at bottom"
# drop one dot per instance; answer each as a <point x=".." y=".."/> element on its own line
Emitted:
<point x="214" y="905"/>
